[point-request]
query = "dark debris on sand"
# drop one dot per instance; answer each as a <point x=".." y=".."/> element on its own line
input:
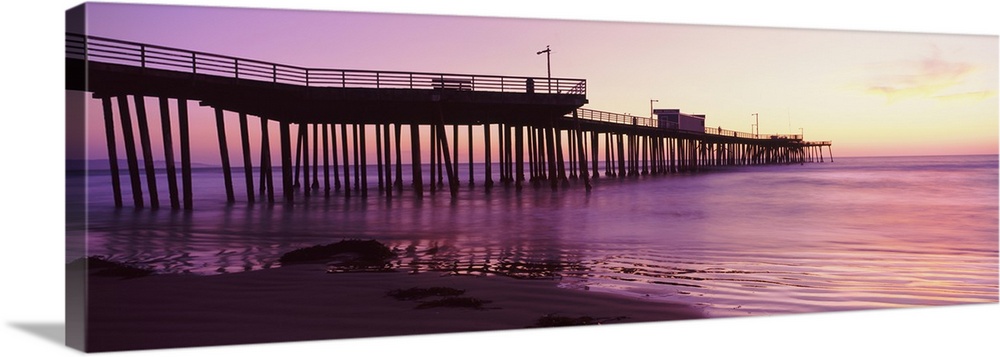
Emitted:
<point x="101" y="266"/>
<point x="349" y="255"/>
<point x="421" y="293"/>
<point x="552" y="320"/>
<point x="466" y="302"/>
<point x="449" y="297"/>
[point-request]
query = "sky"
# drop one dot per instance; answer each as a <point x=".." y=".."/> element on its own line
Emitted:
<point x="870" y="93"/>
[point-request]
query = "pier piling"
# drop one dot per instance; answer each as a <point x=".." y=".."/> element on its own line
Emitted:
<point x="227" y="173"/>
<point x="418" y="185"/>
<point x="147" y="153"/>
<point x="488" y="159"/>
<point x="326" y="160"/>
<point x="347" y="162"/>
<point x="266" y="168"/>
<point x="315" y="163"/>
<point x="247" y="160"/>
<point x="109" y="131"/>
<point x="364" y="162"/>
<point x="129" y="137"/>
<point x="168" y="153"/>
<point x="182" y="119"/>
<point x="287" y="184"/>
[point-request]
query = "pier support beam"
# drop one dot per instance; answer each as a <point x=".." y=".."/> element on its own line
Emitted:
<point x="378" y="157"/>
<point x="357" y="159"/>
<point x="298" y="155"/>
<point x="263" y="168"/>
<point x="418" y="184"/>
<point x="519" y="147"/>
<point x="621" y="156"/>
<point x="452" y="175"/>
<point x="594" y="148"/>
<point x="388" y="159"/>
<point x="607" y="154"/>
<point x="502" y="154"/>
<point x="304" y="137"/>
<point x="326" y="160"/>
<point x="247" y="160"/>
<point x="454" y="143"/>
<point x="147" y="152"/>
<point x="315" y="163"/>
<point x="266" y="169"/>
<point x="364" y="161"/>
<point x="533" y="158"/>
<point x="133" y="161"/>
<point x="168" y="153"/>
<point x="347" y="162"/>
<point x="399" y="158"/>
<point x="488" y="158"/>
<point x="508" y="153"/>
<point x="433" y="159"/>
<point x="287" y="184"/>
<point x="645" y="155"/>
<point x="560" y="162"/>
<point x="551" y="153"/>
<point x="333" y="154"/>
<point x="571" y="151"/>
<point x="439" y="159"/>
<point x="472" y="176"/>
<point x="182" y="119"/>
<point x="581" y="152"/>
<point x="227" y="173"/>
<point x="109" y="131"/>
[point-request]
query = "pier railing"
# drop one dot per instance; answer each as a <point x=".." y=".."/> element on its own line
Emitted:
<point x="745" y="135"/>
<point x="615" y="118"/>
<point x="106" y="50"/>
<point x="626" y="119"/>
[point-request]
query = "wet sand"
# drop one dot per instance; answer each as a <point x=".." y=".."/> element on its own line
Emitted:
<point x="303" y="302"/>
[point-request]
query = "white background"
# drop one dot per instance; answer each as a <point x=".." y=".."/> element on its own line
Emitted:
<point x="31" y="199"/>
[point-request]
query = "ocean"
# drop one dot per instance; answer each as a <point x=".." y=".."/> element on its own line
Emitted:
<point x="856" y="233"/>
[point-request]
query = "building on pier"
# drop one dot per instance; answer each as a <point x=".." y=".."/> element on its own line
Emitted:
<point x="674" y="119"/>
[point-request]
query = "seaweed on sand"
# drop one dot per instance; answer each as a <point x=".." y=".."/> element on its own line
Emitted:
<point x="467" y="302"/>
<point x="101" y="266"/>
<point x="347" y="255"/>
<point x="552" y="320"/>
<point x="420" y="293"/>
<point x="449" y="298"/>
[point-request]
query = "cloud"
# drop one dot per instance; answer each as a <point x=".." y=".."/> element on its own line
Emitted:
<point x="931" y="77"/>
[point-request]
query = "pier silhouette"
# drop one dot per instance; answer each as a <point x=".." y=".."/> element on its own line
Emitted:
<point x="544" y="135"/>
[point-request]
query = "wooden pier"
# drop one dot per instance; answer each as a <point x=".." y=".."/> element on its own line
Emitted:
<point x="326" y="117"/>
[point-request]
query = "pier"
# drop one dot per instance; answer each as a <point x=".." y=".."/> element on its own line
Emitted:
<point x="326" y="119"/>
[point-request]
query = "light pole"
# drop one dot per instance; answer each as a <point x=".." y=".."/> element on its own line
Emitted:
<point x="651" y="101"/>
<point x="756" y="124"/>
<point x="548" y="64"/>
<point x="802" y="134"/>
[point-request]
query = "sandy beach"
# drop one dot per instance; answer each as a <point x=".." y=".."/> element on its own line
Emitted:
<point x="304" y="302"/>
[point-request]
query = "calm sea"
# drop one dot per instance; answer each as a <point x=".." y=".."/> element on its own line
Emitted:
<point x="858" y="233"/>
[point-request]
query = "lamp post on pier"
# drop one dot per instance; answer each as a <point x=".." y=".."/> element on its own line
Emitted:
<point x="548" y="65"/>
<point x="756" y="125"/>
<point x="651" y="101"/>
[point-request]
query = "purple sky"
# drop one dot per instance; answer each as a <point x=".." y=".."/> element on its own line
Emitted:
<point x="872" y="93"/>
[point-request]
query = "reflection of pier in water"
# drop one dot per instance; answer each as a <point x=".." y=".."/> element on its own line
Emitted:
<point x="333" y="113"/>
